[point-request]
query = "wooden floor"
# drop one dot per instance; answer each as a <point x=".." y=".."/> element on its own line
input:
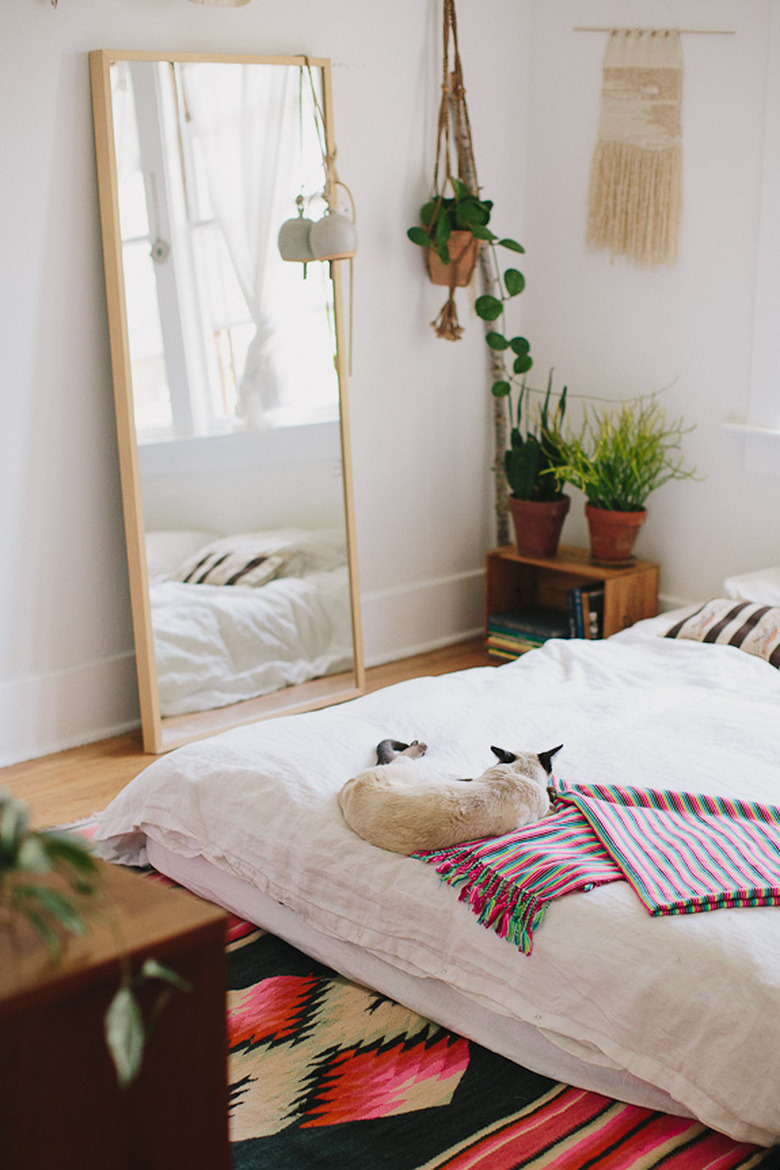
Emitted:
<point x="74" y="784"/>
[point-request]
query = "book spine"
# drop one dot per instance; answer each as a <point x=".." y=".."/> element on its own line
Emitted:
<point x="593" y="611"/>
<point x="574" y="607"/>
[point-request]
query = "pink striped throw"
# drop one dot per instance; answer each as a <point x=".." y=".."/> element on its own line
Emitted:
<point x="681" y="853"/>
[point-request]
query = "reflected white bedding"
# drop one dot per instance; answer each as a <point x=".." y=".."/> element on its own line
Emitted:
<point x="685" y="1004"/>
<point x="218" y="644"/>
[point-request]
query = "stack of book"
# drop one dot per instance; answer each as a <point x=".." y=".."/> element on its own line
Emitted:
<point x="516" y="631"/>
<point x="585" y="605"/>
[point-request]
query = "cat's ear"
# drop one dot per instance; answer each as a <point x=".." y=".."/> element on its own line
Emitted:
<point x="504" y="757"/>
<point x="545" y="758"/>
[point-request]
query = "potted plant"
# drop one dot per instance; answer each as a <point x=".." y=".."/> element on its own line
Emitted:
<point x="537" y="504"/>
<point x="451" y="230"/>
<point x="50" y="881"/>
<point x="619" y="457"/>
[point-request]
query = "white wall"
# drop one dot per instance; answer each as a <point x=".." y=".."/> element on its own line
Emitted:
<point x="419" y="412"/>
<point x="245" y="482"/>
<point x="612" y="329"/>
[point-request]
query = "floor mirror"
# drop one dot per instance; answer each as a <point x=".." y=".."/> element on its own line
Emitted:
<point x="230" y="387"/>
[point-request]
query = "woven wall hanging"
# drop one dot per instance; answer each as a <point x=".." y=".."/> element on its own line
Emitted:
<point x="636" y="176"/>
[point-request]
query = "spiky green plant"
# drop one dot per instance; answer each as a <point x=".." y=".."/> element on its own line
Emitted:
<point x="534" y="443"/>
<point x="623" y="454"/>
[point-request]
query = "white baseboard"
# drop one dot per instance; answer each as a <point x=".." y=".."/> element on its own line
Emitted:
<point x="413" y="619"/>
<point x="48" y="713"/>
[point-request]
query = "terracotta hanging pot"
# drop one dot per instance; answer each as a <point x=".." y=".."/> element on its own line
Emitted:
<point x="464" y="250"/>
<point x="612" y="534"/>
<point x="538" y="525"/>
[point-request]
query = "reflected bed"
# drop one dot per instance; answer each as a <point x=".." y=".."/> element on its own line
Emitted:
<point x="242" y="616"/>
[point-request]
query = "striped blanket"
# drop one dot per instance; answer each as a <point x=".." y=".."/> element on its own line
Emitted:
<point x="681" y="853"/>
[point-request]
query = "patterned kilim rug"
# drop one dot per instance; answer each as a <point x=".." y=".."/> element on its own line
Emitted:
<point x="325" y="1073"/>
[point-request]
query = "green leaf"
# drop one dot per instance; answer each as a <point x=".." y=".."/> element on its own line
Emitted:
<point x="153" y="969"/>
<point x="521" y="465"/>
<point x="488" y="307"/>
<point x="500" y="389"/>
<point x="520" y="345"/>
<point x="512" y="245"/>
<point x="460" y="188"/>
<point x="33" y="856"/>
<point x="13" y="825"/>
<point x="514" y="281"/>
<point x="124" y="1032"/>
<point x="471" y="213"/>
<point x="54" y="904"/>
<point x="496" y="341"/>
<point x="481" y="232"/>
<point x="419" y="236"/>
<point x="427" y="211"/>
<point x="48" y="936"/>
<point x="73" y="851"/>
<point x="442" y="231"/>
<point x="523" y="363"/>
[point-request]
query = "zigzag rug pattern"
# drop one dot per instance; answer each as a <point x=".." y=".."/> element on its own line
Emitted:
<point x="327" y="1074"/>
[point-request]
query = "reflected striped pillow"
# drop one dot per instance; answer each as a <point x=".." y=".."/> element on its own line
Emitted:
<point x="752" y="628"/>
<point x="217" y="567"/>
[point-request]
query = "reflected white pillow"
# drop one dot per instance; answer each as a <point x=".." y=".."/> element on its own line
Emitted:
<point x="761" y="585"/>
<point x="165" y="550"/>
<point x="221" y="566"/>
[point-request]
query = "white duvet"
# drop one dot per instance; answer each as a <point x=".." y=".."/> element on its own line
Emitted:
<point x="689" y="1004"/>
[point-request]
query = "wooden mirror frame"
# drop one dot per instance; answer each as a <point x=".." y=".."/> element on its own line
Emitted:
<point x="162" y="733"/>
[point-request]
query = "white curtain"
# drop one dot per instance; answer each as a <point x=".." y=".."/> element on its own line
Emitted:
<point x="246" y="120"/>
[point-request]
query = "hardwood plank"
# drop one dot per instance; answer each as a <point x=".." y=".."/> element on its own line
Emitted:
<point x="75" y="783"/>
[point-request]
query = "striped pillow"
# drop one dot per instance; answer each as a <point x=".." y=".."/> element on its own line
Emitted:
<point x="218" y="567"/>
<point x="752" y="628"/>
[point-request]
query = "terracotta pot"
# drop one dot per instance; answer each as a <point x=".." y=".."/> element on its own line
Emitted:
<point x="612" y="534"/>
<point x="464" y="250"/>
<point x="538" y="525"/>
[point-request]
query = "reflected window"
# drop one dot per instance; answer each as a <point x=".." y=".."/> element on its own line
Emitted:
<point x="224" y="335"/>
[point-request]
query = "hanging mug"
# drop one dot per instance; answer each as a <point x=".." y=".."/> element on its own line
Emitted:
<point x="334" y="237"/>
<point x="294" y="239"/>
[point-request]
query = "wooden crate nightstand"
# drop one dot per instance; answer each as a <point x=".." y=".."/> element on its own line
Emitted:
<point x="513" y="581"/>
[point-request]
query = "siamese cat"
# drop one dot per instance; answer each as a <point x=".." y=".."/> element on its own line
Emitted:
<point x="393" y="807"/>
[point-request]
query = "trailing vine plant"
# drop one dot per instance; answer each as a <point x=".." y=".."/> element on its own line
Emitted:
<point x="456" y="203"/>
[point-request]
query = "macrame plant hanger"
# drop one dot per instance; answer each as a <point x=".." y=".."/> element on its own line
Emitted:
<point x="452" y="112"/>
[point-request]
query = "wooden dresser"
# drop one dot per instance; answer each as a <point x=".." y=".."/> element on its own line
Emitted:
<point x="60" y="1105"/>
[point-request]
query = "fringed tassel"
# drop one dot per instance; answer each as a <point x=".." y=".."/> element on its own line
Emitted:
<point x="498" y="903"/>
<point x="446" y="324"/>
<point x="635" y="202"/>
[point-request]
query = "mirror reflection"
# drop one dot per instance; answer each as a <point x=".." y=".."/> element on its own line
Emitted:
<point x="235" y="406"/>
